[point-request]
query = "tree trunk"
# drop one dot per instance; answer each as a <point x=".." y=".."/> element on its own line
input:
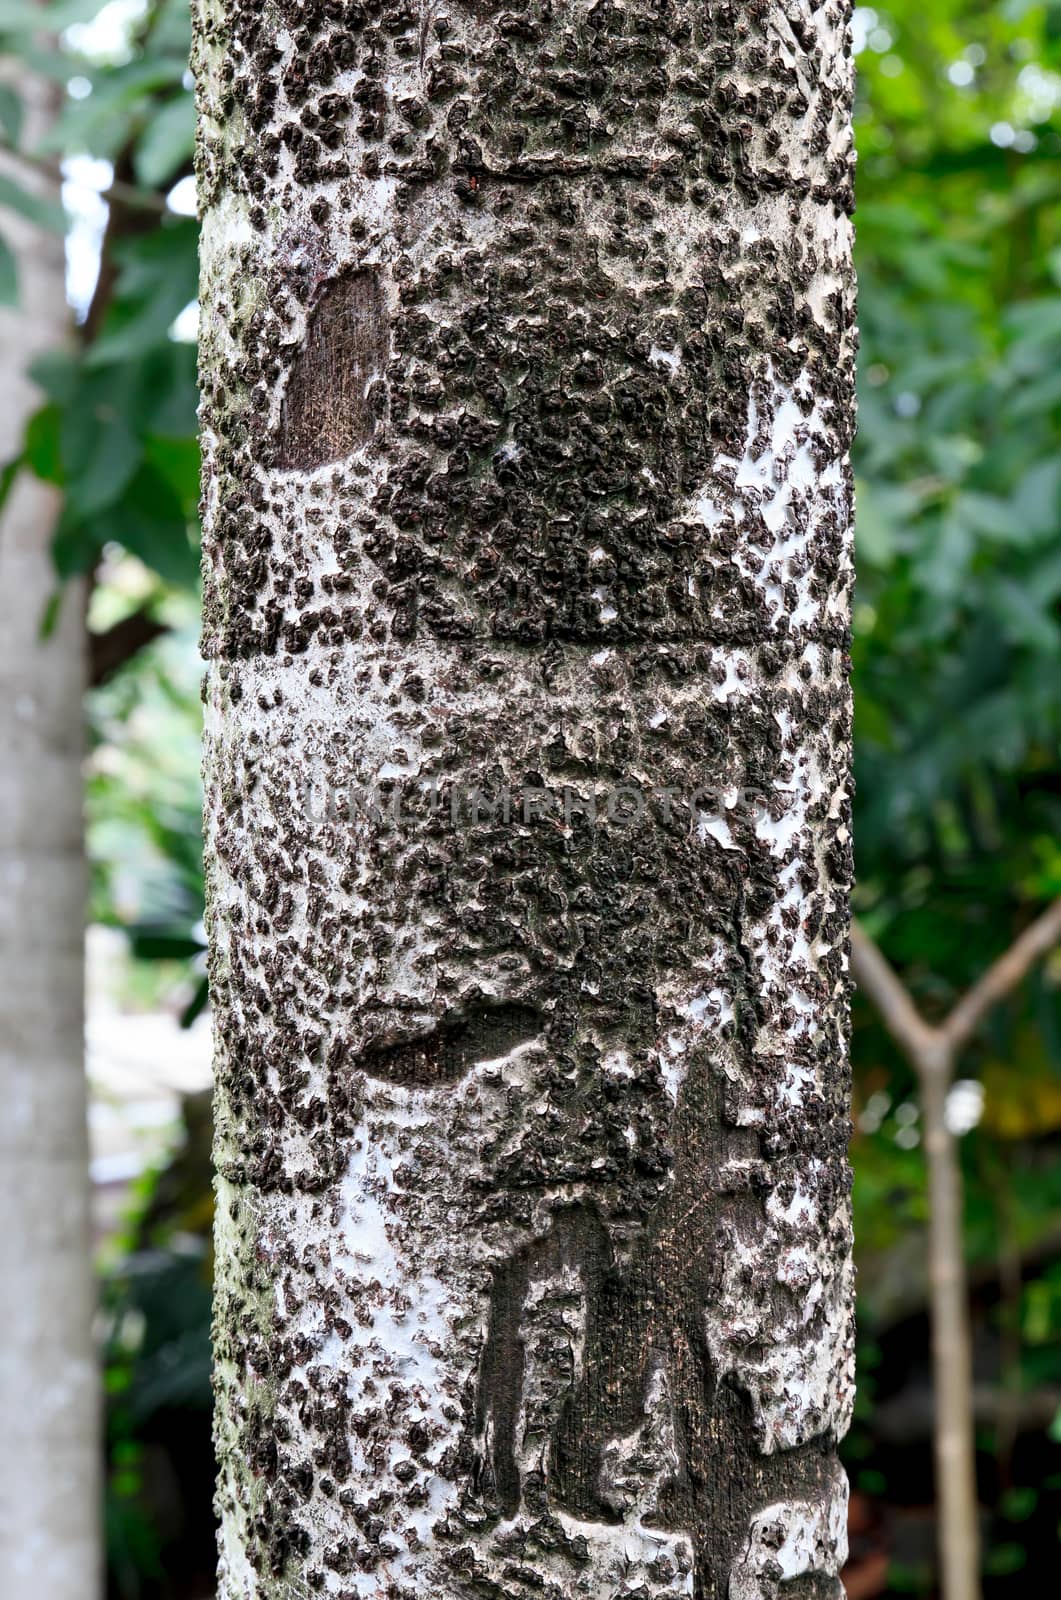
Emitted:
<point x="49" y="1467"/>
<point x="527" y="390"/>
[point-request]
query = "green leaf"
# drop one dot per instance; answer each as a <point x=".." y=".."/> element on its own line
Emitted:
<point x="1025" y="615"/>
<point x="874" y="534"/>
<point x="1034" y="400"/>
<point x="178" y="461"/>
<point x="50" y="614"/>
<point x="167" y="143"/>
<point x="44" y="213"/>
<point x="8" y="473"/>
<point x="42" y="451"/>
<point x="121" y="104"/>
<point x="99" y="459"/>
<point x="151" y="523"/>
<point x="1037" y="507"/>
<point x="8" y="275"/>
<point x="1019" y="1502"/>
<point x="158" y="277"/>
<point x="150" y="942"/>
<point x="75" y="546"/>
<point x="1032" y="321"/>
<point x="10" y="113"/>
<point x="987" y="514"/>
<point x="197" y="1004"/>
<point x="163" y="391"/>
<point x="56" y="372"/>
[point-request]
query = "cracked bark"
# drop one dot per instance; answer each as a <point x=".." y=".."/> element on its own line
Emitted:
<point x="527" y="392"/>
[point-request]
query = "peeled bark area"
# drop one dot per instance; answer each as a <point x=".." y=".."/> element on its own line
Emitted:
<point x="527" y="376"/>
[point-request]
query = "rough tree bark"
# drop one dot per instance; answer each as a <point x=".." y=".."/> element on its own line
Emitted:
<point x="49" y="1466"/>
<point x="527" y="392"/>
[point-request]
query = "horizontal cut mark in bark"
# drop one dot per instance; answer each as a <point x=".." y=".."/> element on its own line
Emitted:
<point x="444" y="1057"/>
<point x="327" y="412"/>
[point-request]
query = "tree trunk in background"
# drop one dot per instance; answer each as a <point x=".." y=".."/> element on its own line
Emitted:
<point x="527" y="375"/>
<point x="50" y="1506"/>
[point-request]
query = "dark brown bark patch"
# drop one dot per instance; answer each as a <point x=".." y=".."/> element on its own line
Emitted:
<point x="446" y="1055"/>
<point x="328" y="408"/>
<point x="577" y="1240"/>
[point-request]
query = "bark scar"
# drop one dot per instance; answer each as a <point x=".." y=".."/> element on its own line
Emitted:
<point x="444" y="1056"/>
<point x="329" y="407"/>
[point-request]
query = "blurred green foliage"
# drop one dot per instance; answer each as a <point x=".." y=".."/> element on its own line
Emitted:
<point x="957" y="660"/>
<point x="957" y="652"/>
<point x="155" y="1315"/>
<point x="143" y="808"/>
<point x="116" y="426"/>
<point x="957" y="638"/>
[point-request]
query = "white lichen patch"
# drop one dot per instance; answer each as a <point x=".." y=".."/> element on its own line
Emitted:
<point x="787" y="484"/>
<point x="793" y="1354"/>
<point x="792" y="1538"/>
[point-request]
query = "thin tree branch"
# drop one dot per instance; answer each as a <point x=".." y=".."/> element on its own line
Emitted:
<point x="115" y="646"/>
<point x="910" y="1415"/>
<point x="952" y="1362"/>
<point x="923" y="1044"/>
<point x="126" y="193"/>
<point x="877" y="979"/>
<point x="1003" y="976"/>
<point x="932" y="1052"/>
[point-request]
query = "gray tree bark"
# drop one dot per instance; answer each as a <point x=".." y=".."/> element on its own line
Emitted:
<point x="50" y="1505"/>
<point x="527" y="348"/>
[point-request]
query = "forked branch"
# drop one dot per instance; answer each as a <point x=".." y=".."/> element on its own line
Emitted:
<point x="932" y="1051"/>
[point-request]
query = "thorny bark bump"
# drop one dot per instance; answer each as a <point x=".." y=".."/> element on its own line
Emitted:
<point x="527" y="393"/>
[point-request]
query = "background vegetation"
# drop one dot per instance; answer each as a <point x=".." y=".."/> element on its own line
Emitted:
<point x="958" y="710"/>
